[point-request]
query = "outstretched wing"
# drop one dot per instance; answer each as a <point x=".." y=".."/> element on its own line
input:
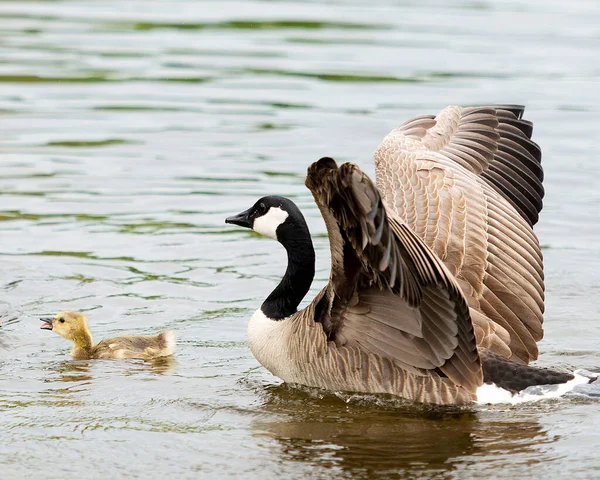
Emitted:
<point x="391" y="295"/>
<point x="469" y="183"/>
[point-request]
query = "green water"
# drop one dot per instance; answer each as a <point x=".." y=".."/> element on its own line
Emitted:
<point x="130" y="130"/>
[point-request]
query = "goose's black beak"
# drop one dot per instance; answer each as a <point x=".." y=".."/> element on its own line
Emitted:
<point x="241" y="219"/>
<point x="47" y="325"/>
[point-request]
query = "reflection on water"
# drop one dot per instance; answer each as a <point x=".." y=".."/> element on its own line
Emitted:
<point x="72" y="371"/>
<point x="130" y="130"/>
<point x="81" y="370"/>
<point x="163" y="365"/>
<point x="370" y="437"/>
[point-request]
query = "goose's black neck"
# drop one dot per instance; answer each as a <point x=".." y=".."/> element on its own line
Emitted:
<point x="284" y="300"/>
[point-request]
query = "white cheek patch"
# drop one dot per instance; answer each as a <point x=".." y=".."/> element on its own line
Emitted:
<point x="268" y="223"/>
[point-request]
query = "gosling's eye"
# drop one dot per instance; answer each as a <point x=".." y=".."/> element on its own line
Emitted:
<point x="61" y="320"/>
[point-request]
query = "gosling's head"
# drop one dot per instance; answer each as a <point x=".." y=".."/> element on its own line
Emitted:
<point x="69" y="325"/>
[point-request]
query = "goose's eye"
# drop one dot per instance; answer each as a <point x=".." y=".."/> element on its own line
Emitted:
<point x="262" y="208"/>
<point x="61" y="320"/>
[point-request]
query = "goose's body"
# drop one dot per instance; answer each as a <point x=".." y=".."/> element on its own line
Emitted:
<point x="73" y="327"/>
<point x="436" y="283"/>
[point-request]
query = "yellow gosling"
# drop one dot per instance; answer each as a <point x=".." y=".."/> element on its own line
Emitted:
<point x="73" y="327"/>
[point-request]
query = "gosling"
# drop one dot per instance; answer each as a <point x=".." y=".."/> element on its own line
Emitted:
<point x="73" y="327"/>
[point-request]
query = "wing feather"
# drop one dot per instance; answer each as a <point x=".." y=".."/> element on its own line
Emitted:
<point x="393" y="297"/>
<point x="479" y="194"/>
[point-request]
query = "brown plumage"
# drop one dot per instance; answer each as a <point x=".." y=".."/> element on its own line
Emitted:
<point x="73" y="327"/>
<point x="434" y="270"/>
<point x="391" y="297"/>
<point x="469" y="183"/>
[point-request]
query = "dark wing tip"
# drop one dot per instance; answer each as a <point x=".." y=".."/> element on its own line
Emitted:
<point x="325" y="163"/>
<point x="516" y="110"/>
<point x="316" y="169"/>
<point x="519" y="172"/>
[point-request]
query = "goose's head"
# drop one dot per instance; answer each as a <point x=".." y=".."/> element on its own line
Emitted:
<point x="69" y="325"/>
<point x="279" y="218"/>
<point x="272" y="216"/>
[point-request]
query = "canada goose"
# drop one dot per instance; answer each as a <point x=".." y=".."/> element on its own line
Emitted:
<point x="436" y="290"/>
<point x="73" y="327"/>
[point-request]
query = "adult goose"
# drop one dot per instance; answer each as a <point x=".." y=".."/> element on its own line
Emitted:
<point x="436" y="291"/>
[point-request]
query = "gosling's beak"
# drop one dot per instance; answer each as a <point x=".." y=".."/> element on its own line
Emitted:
<point x="241" y="219"/>
<point x="47" y="325"/>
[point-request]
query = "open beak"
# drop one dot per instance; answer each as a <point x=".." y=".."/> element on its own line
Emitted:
<point x="241" y="219"/>
<point x="47" y="325"/>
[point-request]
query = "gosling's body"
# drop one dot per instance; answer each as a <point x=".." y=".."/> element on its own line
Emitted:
<point x="144" y="347"/>
<point x="73" y="327"/>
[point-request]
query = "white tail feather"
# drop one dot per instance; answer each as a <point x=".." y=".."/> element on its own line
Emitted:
<point x="491" y="394"/>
